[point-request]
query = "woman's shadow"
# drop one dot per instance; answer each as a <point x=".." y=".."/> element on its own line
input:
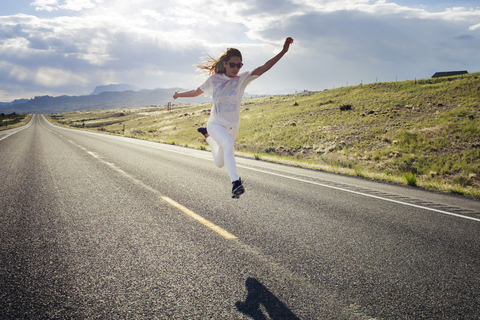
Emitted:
<point x="258" y="294"/>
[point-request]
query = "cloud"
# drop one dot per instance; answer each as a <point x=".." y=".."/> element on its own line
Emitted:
<point x="151" y="44"/>
<point x="52" y="5"/>
<point x="77" y="5"/>
<point x="109" y="48"/>
<point x="465" y="37"/>
<point x="474" y="27"/>
<point x="362" y="31"/>
<point x="45" y="5"/>
<point x="50" y="77"/>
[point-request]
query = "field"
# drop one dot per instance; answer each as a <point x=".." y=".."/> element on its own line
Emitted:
<point x="10" y="121"/>
<point x="424" y="133"/>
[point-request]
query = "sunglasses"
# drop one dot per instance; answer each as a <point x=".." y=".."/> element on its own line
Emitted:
<point x="233" y="64"/>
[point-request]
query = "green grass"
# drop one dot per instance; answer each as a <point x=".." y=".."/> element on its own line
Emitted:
<point x="410" y="178"/>
<point x="423" y="133"/>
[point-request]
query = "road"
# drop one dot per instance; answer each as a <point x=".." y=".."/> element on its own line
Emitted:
<point x="98" y="227"/>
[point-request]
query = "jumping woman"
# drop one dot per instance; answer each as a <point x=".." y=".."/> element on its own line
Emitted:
<point x="227" y="86"/>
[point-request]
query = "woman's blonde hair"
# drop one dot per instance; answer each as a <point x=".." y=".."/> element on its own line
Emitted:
<point x="212" y="65"/>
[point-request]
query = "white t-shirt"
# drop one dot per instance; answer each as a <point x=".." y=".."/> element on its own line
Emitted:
<point x="227" y="96"/>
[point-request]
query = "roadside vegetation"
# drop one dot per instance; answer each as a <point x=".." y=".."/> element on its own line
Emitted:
<point x="13" y="120"/>
<point x="423" y="133"/>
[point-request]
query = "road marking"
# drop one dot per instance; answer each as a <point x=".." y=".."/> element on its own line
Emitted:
<point x="185" y="210"/>
<point x="200" y="219"/>
<point x="145" y="143"/>
<point x="362" y="194"/>
<point x="16" y="130"/>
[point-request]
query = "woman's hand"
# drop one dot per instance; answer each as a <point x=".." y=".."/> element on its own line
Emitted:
<point x="175" y="95"/>
<point x="287" y="44"/>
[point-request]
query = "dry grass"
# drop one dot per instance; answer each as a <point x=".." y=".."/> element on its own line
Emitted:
<point x="10" y="122"/>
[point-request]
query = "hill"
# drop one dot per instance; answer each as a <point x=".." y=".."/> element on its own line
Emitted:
<point x="104" y="100"/>
<point x="421" y="133"/>
<point x="114" y="88"/>
<point x="14" y="102"/>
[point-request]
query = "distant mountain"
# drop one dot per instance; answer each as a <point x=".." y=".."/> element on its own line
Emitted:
<point x="114" y="88"/>
<point x="106" y="97"/>
<point x="17" y="101"/>
<point x="104" y="100"/>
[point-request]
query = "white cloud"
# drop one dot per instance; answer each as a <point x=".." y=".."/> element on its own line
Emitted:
<point x="77" y="5"/>
<point x="14" y="72"/>
<point x="74" y="5"/>
<point x="474" y="27"/>
<point x="51" y="77"/>
<point x="153" y="14"/>
<point x="47" y="5"/>
<point x="155" y="44"/>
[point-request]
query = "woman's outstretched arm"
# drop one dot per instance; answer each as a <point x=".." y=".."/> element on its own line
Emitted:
<point x="270" y="63"/>
<point x="188" y="94"/>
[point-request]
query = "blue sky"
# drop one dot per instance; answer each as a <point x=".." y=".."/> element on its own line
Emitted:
<point x="57" y="47"/>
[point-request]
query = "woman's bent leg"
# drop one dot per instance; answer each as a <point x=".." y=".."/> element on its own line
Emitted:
<point x="215" y="147"/>
<point x="217" y="152"/>
<point x="222" y="147"/>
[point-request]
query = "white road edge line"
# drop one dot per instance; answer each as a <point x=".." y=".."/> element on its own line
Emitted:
<point x="291" y="178"/>
<point x="17" y="131"/>
<point x="363" y="194"/>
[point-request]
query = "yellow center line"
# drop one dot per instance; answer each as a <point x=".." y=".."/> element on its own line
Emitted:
<point x="189" y="212"/>
<point x="200" y="219"/>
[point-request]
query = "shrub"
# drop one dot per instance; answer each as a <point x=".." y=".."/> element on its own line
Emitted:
<point x="408" y="138"/>
<point x="345" y="107"/>
<point x="137" y="132"/>
<point x="410" y="178"/>
<point x="270" y="149"/>
<point x="386" y="139"/>
<point x="407" y="167"/>
<point x="463" y="181"/>
<point x="358" y="171"/>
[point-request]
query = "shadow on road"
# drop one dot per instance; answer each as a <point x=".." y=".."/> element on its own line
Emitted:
<point x="259" y="295"/>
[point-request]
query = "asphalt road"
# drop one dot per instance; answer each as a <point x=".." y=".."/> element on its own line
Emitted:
<point x="103" y="227"/>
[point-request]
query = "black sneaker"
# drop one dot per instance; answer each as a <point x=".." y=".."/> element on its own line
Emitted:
<point x="203" y="130"/>
<point x="237" y="189"/>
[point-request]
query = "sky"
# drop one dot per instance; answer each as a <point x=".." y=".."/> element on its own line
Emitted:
<point x="68" y="47"/>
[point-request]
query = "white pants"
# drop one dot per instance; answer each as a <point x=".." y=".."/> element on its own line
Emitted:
<point x="221" y="141"/>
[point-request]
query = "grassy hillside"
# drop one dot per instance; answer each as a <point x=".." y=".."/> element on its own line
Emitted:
<point x="423" y="133"/>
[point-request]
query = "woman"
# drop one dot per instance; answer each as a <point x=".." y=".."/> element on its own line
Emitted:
<point x="227" y="87"/>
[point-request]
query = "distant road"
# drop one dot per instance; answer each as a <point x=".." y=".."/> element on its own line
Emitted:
<point x="100" y="226"/>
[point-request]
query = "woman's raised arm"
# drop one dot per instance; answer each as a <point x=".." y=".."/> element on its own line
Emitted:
<point x="270" y="63"/>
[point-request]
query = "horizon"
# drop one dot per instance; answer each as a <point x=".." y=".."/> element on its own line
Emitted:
<point x="250" y="93"/>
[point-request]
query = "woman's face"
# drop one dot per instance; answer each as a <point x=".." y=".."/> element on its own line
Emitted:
<point x="233" y="66"/>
